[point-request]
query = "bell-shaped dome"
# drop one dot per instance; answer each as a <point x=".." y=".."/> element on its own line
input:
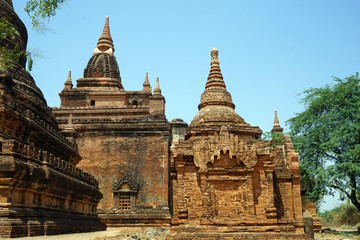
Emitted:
<point x="216" y="108"/>
<point x="102" y="69"/>
<point x="102" y="65"/>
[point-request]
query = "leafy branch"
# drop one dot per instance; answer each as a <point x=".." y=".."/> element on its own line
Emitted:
<point x="41" y="9"/>
<point x="275" y="137"/>
<point x="10" y="51"/>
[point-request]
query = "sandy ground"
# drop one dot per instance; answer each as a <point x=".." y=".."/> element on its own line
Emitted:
<point x="78" y="236"/>
<point x="109" y="234"/>
<point x="150" y="234"/>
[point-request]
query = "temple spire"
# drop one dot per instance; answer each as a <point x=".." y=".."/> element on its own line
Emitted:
<point x="215" y="89"/>
<point x="216" y="109"/>
<point x="105" y="43"/>
<point x="68" y="84"/>
<point x="146" y="84"/>
<point x="215" y="78"/>
<point x="276" y="127"/>
<point x="157" y="90"/>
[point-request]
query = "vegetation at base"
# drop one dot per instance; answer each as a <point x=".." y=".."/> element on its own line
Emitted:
<point x="327" y="136"/>
<point x="345" y="215"/>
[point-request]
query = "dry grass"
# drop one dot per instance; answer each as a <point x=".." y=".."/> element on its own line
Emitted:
<point x="326" y="236"/>
<point x="343" y="215"/>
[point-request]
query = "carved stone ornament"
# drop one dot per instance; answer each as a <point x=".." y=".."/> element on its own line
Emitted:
<point x="117" y="184"/>
<point x="223" y="143"/>
<point x="135" y="100"/>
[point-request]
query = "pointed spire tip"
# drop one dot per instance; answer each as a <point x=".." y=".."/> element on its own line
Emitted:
<point x="276" y="120"/>
<point x="105" y="41"/>
<point x="277" y="127"/>
<point x="68" y="83"/>
<point x="146" y="84"/>
<point x="157" y="89"/>
<point x="214" y="53"/>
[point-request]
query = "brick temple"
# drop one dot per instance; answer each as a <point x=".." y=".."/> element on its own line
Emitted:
<point x="226" y="181"/>
<point x="42" y="192"/>
<point x="109" y="157"/>
<point x="123" y="138"/>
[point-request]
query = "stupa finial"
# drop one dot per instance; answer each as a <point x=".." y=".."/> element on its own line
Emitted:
<point x="215" y="78"/>
<point x="276" y="127"/>
<point x="276" y="120"/>
<point x="214" y="56"/>
<point x="105" y="43"/>
<point x="215" y="89"/>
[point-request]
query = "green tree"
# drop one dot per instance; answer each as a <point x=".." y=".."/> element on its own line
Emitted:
<point x="327" y="136"/>
<point x="38" y="11"/>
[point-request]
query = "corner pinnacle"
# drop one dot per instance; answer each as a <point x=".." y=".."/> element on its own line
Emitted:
<point x="68" y="83"/>
<point x="69" y="77"/>
<point x="146" y="84"/>
<point x="157" y="90"/>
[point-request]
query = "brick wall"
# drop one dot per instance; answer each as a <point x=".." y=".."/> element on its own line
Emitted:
<point x="142" y="159"/>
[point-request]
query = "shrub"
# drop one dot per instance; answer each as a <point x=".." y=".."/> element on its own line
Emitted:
<point x="345" y="214"/>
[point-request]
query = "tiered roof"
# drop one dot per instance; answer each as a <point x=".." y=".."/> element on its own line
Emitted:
<point x="216" y="108"/>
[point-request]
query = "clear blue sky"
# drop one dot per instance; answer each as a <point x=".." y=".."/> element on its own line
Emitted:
<point x="269" y="51"/>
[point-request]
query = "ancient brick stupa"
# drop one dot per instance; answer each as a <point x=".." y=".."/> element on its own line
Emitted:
<point x="226" y="181"/>
<point x="123" y="138"/>
<point x="42" y="192"/>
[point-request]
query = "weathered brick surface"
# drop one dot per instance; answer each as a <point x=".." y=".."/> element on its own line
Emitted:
<point x="221" y="182"/>
<point x="227" y="182"/>
<point x="42" y="192"/>
<point x="308" y="205"/>
<point x="140" y="158"/>
<point x="123" y="138"/>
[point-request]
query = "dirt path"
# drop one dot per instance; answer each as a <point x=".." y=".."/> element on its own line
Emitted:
<point x="152" y="233"/>
<point x="77" y="236"/>
<point x="110" y="234"/>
